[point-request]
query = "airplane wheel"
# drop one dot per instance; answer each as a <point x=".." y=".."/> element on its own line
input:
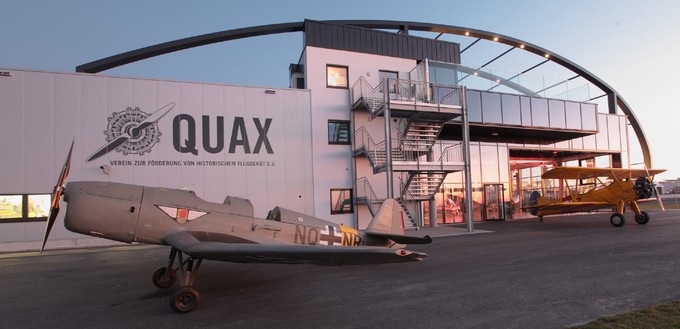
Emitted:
<point x="617" y="220"/>
<point x="185" y="300"/>
<point x="164" y="279"/>
<point x="642" y="218"/>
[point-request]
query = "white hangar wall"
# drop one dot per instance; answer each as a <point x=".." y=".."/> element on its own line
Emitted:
<point x="333" y="163"/>
<point x="263" y="153"/>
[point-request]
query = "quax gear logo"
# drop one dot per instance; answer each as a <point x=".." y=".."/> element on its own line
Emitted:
<point x="132" y="131"/>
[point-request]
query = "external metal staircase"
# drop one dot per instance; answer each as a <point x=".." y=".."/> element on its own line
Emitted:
<point x="366" y="195"/>
<point x="420" y="136"/>
<point x="416" y="153"/>
<point x="422" y="186"/>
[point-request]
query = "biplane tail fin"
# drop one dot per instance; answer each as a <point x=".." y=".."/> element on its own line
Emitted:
<point x="535" y="201"/>
<point x="388" y="223"/>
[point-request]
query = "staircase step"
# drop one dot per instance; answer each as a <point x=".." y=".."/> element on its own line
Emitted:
<point x="409" y="220"/>
<point x="421" y="135"/>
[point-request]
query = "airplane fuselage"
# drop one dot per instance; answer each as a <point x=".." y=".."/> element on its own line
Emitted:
<point x="132" y="213"/>
<point x="614" y="195"/>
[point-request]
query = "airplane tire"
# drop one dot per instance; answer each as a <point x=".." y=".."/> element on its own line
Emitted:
<point x="617" y="220"/>
<point x="163" y="279"/>
<point x="185" y="300"/>
<point x="642" y="218"/>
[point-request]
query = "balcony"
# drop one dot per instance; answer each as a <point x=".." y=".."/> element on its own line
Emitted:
<point x="408" y="99"/>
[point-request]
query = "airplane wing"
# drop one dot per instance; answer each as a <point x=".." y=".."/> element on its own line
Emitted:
<point x="569" y="207"/>
<point x="585" y="173"/>
<point x="186" y="242"/>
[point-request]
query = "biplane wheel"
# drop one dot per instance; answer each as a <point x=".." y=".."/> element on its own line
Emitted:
<point x="163" y="278"/>
<point x="540" y="218"/>
<point x="185" y="300"/>
<point x="617" y="220"/>
<point x="642" y="218"/>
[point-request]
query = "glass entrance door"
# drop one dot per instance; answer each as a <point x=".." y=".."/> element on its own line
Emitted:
<point x="494" y="202"/>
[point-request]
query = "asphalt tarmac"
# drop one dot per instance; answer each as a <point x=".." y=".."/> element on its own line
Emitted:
<point x="525" y="274"/>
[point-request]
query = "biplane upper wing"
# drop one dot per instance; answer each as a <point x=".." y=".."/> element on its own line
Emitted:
<point x="188" y="243"/>
<point x="585" y="173"/>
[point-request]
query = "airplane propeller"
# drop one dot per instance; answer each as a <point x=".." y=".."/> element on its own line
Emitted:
<point x="658" y="198"/>
<point x="57" y="193"/>
<point x="644" y="187"/>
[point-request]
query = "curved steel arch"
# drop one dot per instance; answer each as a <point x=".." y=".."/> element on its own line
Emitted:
<point x="210" y="38"/>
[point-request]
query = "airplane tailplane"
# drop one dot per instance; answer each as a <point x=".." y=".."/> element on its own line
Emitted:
<point x="388" y="223"/>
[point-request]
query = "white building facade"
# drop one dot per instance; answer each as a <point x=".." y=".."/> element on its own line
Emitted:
<point x="319" y="147"/>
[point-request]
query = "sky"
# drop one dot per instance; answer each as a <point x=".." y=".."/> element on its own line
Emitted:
<point x="631" y="45"/>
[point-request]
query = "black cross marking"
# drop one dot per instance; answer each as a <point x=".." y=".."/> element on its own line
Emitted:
<point x="330" y="238"/>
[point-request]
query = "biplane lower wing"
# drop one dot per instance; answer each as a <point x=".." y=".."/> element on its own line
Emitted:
<point x="569" y="207"/>
<point x="186" y="242"/>
<point x="585" y="173"/>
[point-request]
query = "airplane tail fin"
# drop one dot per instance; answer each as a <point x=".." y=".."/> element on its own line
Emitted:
<point x="389" y="223"/>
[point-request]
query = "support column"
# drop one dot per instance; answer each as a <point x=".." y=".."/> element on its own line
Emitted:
<point x="466" y="158"/>
<point x="388" y="141"/>
<point x="433" y="212"/>
<point x="433" y="199"/>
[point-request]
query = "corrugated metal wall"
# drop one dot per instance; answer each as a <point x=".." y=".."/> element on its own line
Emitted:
<point x="356" y="39"/>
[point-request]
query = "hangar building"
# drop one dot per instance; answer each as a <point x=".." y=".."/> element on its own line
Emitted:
<point x="369" y="114"/>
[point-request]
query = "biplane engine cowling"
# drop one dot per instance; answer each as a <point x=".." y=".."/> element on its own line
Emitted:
<point x="643" y="188"/>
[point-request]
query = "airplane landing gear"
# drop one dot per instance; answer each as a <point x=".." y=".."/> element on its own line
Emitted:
<point x="186" y="298"/>
<point x="617" y="220"/>
<point x="642" y="218"/>
<point x="164" y="278"/>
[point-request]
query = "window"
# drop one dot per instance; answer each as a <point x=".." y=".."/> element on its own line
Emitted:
<point x="336" y="76"/>
<point x="338" y="132"/>
<point x="341" y="201"/>
<point x="391" y="77"/>
<point x="24" y="207"/>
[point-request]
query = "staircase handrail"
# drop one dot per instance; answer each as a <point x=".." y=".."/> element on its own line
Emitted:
<point x="364" y="140"/>
<point x="449" y="154"/>
<point x="364" y="189"/>
<point x="372" y="96"/>
<point x="409" y="200"/>
<point x="452" y="153"/>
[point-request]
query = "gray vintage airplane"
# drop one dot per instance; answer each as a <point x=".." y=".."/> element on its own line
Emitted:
<point x="226" y="232"/>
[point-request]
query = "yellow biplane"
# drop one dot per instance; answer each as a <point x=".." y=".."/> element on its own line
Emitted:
<point x="621" y="187"/>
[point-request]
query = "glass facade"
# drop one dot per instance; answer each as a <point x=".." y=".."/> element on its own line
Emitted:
<point x="492" y="166"/>
<point x="508" y="109"/>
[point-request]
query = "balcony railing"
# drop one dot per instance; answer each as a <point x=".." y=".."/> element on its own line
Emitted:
<point x="404" y="91"/>
<point x="424" y="92"/>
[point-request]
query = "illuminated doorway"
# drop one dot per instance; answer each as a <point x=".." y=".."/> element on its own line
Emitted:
<point x="494" y="203"/>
